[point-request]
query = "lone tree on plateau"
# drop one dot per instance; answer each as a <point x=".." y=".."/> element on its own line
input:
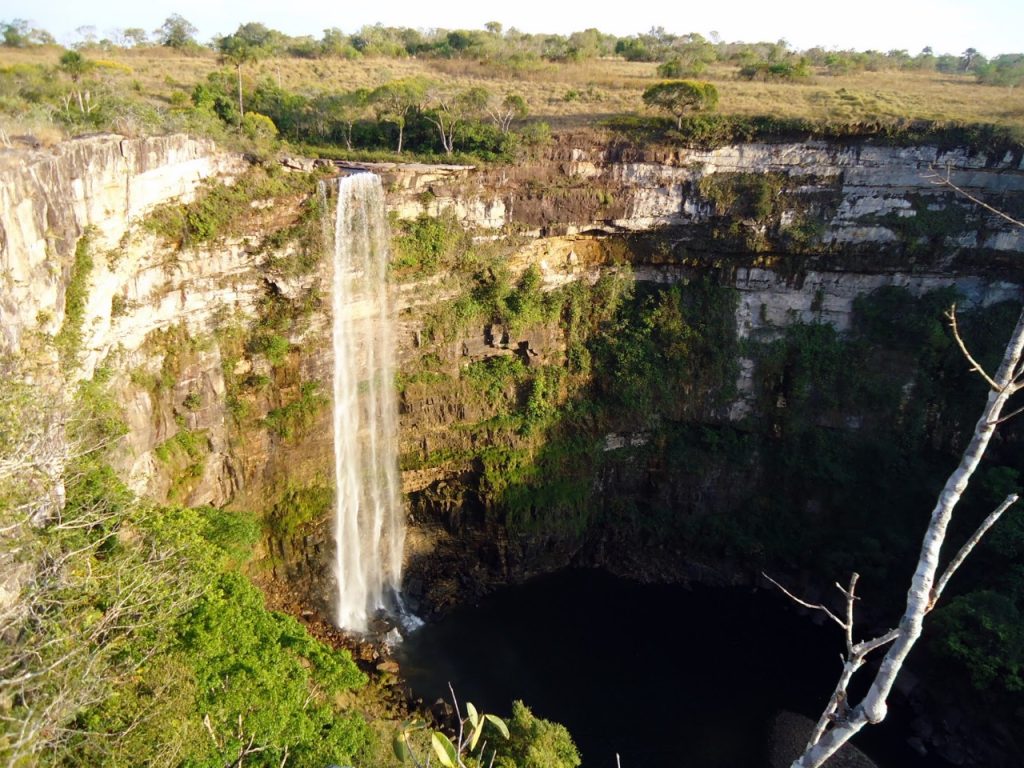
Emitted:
<point x="454" y="109"/>
<point x="681" y="96"/>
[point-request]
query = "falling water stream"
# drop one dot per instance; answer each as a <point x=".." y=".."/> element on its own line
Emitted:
<point x="369" y="518"/>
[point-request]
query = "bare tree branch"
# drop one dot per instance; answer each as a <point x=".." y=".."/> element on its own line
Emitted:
<point x="873" y="707"/>
<point x="975" y="365"/>
<point x="1010" y="415"/>
<point x="944" y="181"/>
<point x="969" y="545"/>
<point x="865" y="647"/>
<point x="850" y="599"/>
<point x="804" y="603"/>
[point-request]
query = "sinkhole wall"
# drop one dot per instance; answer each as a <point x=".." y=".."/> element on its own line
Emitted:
<point x="203" y="298"/>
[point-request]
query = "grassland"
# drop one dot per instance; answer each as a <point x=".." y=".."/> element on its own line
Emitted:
<point x="565" y="95"/>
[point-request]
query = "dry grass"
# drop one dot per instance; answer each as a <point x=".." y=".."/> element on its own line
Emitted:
<point x="577" y="94"/>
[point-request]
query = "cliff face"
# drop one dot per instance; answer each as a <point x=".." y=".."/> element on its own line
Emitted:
<point x="175" y="328"/>
<point x="218" y="415"/>
<point x="860" y="194"/>
<point x="100" y="185"/>
<point x="799" y="232"/>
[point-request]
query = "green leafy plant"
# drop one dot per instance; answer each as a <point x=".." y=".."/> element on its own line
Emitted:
<point x="299" y="507"/>
<point x="451" y="754"/>
<point x="428" y="243"/>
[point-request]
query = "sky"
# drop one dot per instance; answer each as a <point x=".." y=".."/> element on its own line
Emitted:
<point x="948" y="26"/>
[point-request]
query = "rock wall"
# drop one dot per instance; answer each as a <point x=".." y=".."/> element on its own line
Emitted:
<point x="799" y="230"/>
<point x="166" y="322"/>
<point x="101" y="185"/>
<point x="859" y="191"/>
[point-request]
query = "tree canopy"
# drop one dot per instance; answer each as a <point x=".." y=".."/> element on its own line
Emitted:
<point x="394" y="100"/>
<point x="176" y="32"/>
<point x="680" y="97"/>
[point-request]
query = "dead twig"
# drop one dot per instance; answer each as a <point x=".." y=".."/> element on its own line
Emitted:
<point x="804" y="603"/>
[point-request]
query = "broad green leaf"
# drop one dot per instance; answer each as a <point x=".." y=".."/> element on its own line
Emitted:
<point x="444" y="749"/>
<point x="474" y="718"/>
<point x="401" y="746"/>
<point x="475" y="737"/>
<point x="499" y="724"/>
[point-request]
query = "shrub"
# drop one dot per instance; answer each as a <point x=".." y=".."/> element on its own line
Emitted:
<point x="69" y="339"/>
<point x="220" y="209"/>
<point x="294" y="417"/>
<point x="259" y="127"/>
<point x="536" y="743"/>
<point x="676" y="68"/>
<point x="427" y="244"/>
<point x="299" y="507"/>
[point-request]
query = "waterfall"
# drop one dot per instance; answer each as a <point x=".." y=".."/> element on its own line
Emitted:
<point x="369" y="517"/>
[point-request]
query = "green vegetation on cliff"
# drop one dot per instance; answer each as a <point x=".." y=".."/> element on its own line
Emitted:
<point x="221" y="209"/>
<point x="634" y="357"/>
<point x="845" y="438"/>
<point x="137" y="640"/>
<point x="68" y="340"/>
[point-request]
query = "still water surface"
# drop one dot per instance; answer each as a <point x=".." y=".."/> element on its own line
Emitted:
<point x="664" y="676"/>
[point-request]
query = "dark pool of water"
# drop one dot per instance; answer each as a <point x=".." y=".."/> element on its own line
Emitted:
<point x="662" y="675"/>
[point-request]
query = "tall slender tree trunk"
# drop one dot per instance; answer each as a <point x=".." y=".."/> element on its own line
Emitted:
<point x="401" y="128"/>
<point x="241" y="109"/>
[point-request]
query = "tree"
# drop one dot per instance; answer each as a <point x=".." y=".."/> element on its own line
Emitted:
<point x="395" y="100"/>
<point x="136" y="36"/>
<point x="75" y="65"/>
<point x="336" y="43"/>
<point x="967" y="58"/>
<point x="130" y="636"/>
<point x="842" y="719"/>
<point x="176" y="32"/>
<point x="681" y="97"/>
<point x="17" y="33"/>
<point x="452" y="110"/>
<point x="250" y="42"/>
<point x="1006" y="70"/>
<point x="512" y="107"/>
<point x="78" y="603"/>
<point x="346" y="108"/>
<point x="88" y="34"/>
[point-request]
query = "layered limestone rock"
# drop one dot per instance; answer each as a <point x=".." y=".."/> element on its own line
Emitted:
<point x="152" y="310"/>
<point x="860" y="191"/>
<point x="867" y="216"/>
<point x="99" y="185"/>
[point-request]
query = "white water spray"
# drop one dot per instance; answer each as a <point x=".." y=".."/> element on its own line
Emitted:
<point x="369" y="518"/>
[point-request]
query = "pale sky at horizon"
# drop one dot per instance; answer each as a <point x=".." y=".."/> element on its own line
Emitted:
<point x="948" y="26"/>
